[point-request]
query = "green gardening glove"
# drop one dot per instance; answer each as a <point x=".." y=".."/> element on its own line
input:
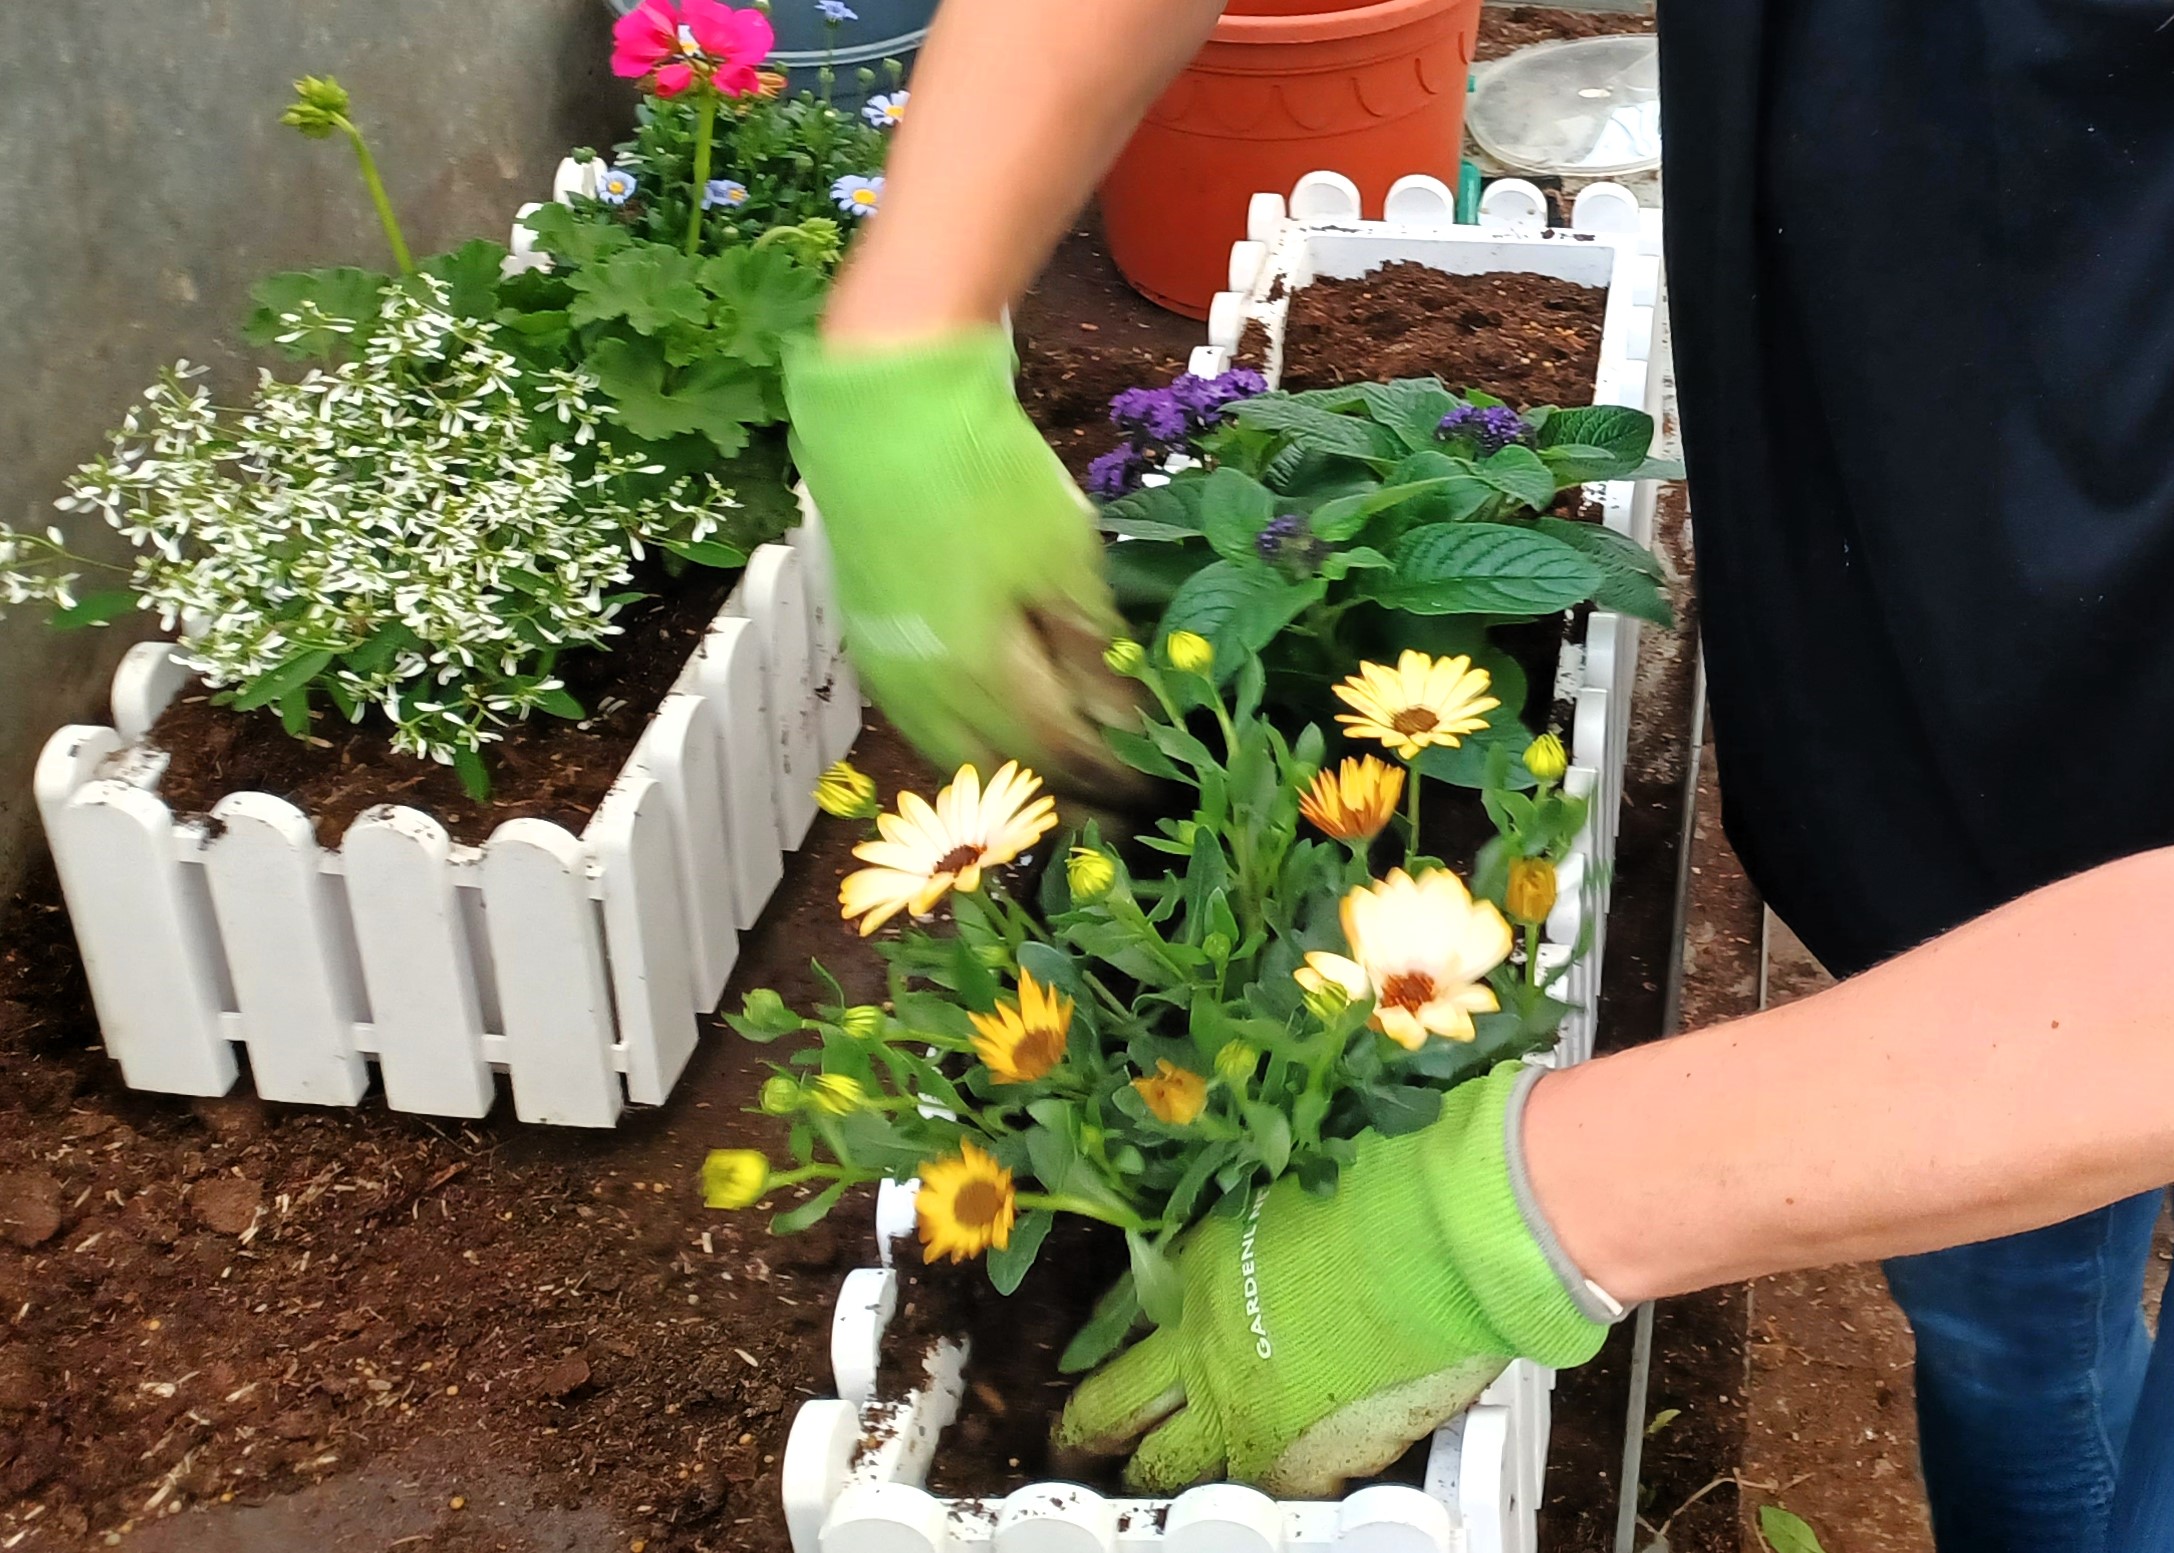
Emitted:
<point x="970" y="577"/>
<point x="1321" y="1336"/>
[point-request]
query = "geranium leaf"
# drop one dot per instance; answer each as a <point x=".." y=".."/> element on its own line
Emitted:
<point x="719" y="398"/>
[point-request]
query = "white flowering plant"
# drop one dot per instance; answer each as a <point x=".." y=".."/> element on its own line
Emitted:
<point x="418" y="530"/>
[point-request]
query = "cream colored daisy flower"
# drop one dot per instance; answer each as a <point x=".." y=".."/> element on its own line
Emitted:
<point x="927" y="851"/>
<point x="1420" y="948"/>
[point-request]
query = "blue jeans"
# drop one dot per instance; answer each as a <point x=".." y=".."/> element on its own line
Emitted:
<point x="2045" y="1418"/>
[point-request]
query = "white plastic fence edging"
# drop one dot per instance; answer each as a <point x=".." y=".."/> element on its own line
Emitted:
<point x="574" y="964"/>
<point x="850" y="1486"/>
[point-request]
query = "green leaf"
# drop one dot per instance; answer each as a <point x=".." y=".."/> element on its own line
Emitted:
<point x="1394" y="1111"/>
<point x="1786" y="1533"/>
<point x="1234" y="508"/>
<point x="475" y="777"/>
<point x="1145" y="576"/>
<point x="1574" y="463"/>
<point x="1518" y="473"/>
<point x="1343" y="517"/>
<point x="1360" y="558"/>
<point x="1501" y="744"/>
<point x="1271" y="1134"/>
<point x="1411" y="407"/>
<point x="94" y="609"/>
<point x="384" y="644"/>
<point x="769" y="296"/>
<point x="1008" y="1263"/>
<point x="1161" y="1286"/>
<point x="708" y="552"/>
<point x="1624" y="432"/>
<point x="343" y="295"/>
<point x="974" y="983"/>
<point x="1319" y="430"/>
<point x="564" y="234"/>
<point x="810" y="1213"/>
<point x="652" y="287"/>
<point x="1239" y="608"/>
<point x="1169" y="511"/>
<point x="1630" y="573"/>
<point x="294" y="671"/>
<point x="470" y="273"/>
<point x="720" y="398"/>
<point x="1114" y="1316"/>
<point x="1052" y="967"/>
<point x="1483" y="569"/>
<point x="1460" y="495"/>
<point x="1141" y="754"/>
<point x="294" y="712"/>
<point x="558" y="703"/>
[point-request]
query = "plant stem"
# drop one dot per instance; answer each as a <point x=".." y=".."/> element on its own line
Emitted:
<point x="1057" y="1202"/>
<point x="378" y="197"/>
<point x="1532" y="955"/>
<point x="1411" y="806"/>
<point x="705" y="129"/>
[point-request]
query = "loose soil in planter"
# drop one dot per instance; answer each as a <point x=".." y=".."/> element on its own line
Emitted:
<point x="545" y="768"/>
<point x="402" y="1331"/>
<point x="1504" y="29"/>
<point x="1527" y="339"/>
<point x="1084" y="336"/>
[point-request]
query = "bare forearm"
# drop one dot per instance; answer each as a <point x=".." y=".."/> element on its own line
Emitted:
<point x="2016" y="1072"/>
<point x="1018" y="107"/>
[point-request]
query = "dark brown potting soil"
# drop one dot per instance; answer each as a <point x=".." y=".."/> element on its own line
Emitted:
<point x="545" y="768"/>
<point x="1504" y="29"/>
<point x="205" y="1304"/>
<point x="1527" y="339"/>
<point x="1084" y="336"/>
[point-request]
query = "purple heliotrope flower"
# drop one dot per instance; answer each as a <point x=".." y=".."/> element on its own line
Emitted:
<point x="1116" y="473"/>
<point x="1493" y="428"/>
<point x="1270" y="541"/>
<point x="1188" y="407"/>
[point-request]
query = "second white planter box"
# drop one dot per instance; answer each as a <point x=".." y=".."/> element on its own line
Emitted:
<point x="575" y="964"/>
<point x="854" y="1466"/>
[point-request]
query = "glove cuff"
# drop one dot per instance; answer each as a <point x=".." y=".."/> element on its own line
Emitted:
<point x="1503" y="1246"/>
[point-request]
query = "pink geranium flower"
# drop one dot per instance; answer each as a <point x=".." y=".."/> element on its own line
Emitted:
<point x="675" y="41"/>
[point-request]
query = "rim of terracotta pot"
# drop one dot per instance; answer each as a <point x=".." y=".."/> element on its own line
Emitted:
<point x="1316" y="21"/>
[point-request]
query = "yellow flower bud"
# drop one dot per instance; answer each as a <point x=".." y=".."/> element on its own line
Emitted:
<point x="734" y="1178"/>
<point x="1190" y="652"/>
<point x="1235" y="1063"/>
<point x="847" y="792"/>
<point x="1326" y="999"/>
<point x="864" y="1021"/>
<point x="1091" y="872"/>
<point x="1530" y="894"/>
<point x="780" y="1096"/>
<point x="1546" y="759"/>
<point x="840" y="1094"/>
<point x="1125" y="656"/>
<point x="1174" y="1095"/>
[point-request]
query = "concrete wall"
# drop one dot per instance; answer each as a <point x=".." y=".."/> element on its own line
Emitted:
<point x="146" y="183"/>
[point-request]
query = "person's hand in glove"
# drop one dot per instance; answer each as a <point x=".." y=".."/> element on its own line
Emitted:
<point x="969" y="573"/>
<point x="1321" y="1336"/>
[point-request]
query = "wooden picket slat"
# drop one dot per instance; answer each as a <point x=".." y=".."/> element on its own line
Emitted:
<point x="416" y="966"/>
<point x="776" y="597"/>
<point x="635" y="849"/>
<point x="729" y="674"/>
<point x="150" y="948"/>
<point x="681" y="749"/>
<point x="293" y="977"/>
<point x="554" y="995"/>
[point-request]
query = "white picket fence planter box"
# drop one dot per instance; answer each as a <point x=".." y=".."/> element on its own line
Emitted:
<point x="854" y="1466"/>
<point x="575" y="964"/>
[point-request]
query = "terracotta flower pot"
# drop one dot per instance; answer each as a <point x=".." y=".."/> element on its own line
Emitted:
<point x="1373" y="89"/>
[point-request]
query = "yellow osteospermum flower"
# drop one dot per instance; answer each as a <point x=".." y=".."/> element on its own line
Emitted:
<point x="734" y="1178"/>
<point x="1423" y="701"/>
<point x="965" y="1206"/>
<point x="1022" y="1042"/>
<point x="928" y="851"/>
<point x="1175" y="1095"/>
<point x="1419" y="948"/>
<point x="1356" y="801"/>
